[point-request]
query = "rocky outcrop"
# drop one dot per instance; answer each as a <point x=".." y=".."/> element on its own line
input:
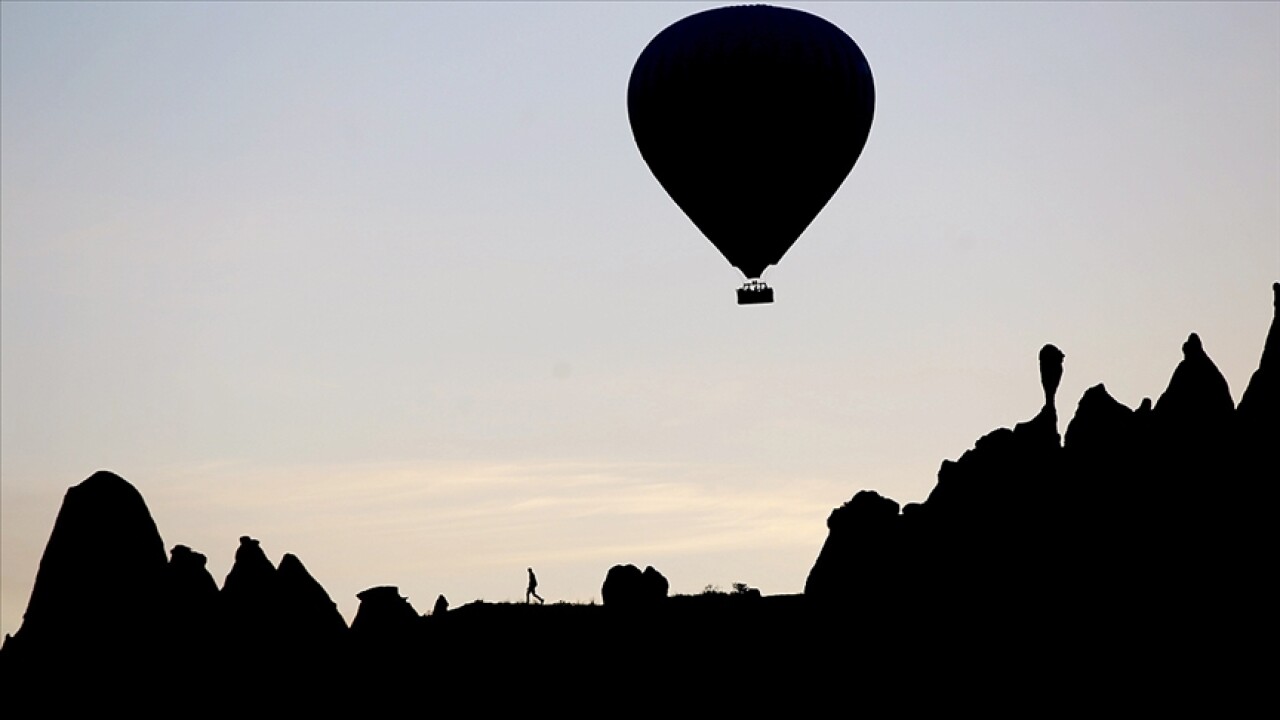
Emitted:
<point x="106" y="554"/>
<point x="309" y="615"/>
<point x="109" y="612"/>
<point x="251" y="606"/>
<point x="1050" y="372"/>
<point x="252" y="576"/>
<point x="275" y="614"/>
<point x="383" y="613"/>
<point x="655" y="584"/>
<point x="189" y="581"/>
<point x="1137" y="509"/>
<point x="626" y="587"/>
<point x="193" y="621"/>
<point x="1197" y="397"/>
<point x="1100" y="426"/>
<point x="858" y="561"/>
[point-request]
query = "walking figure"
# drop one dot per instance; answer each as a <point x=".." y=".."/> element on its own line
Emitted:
<point x="533" y="588"/>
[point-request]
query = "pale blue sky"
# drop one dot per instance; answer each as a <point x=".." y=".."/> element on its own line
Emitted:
<point x="389" y="286"/>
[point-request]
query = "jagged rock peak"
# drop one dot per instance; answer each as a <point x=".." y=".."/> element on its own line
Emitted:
<point x="1198" y="393"/>
<point x="191" y="589"/>
<point x="305" y="601"/>
<point x="1099" y="417"/>
<point x="441" y="607"/>
<point x="291" y="565"/>
<point x="251" y="570"/>
<point x="1192" y="346"/>
<point x="656" y="583"/>
<point x="1097" y="396"/>
<point x="625" y="586"/>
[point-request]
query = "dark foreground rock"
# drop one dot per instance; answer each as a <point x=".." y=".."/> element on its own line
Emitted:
<point x="1123" y="567"/>
<point x="100" y="585"/>
<point x="1140" y="541"/>
<point x="626" y="587"/>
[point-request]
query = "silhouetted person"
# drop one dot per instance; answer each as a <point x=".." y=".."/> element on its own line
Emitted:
<point x="533" y="588"/>
<point x="1050" y="372"/>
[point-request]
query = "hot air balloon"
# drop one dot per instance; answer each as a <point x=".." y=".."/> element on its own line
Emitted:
<point x="750" y="117"/>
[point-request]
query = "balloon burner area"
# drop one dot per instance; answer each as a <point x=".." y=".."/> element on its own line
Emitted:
<point x="755" y="292"/>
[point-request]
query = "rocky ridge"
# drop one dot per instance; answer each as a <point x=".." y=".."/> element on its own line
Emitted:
<point x="1138" y="531"/>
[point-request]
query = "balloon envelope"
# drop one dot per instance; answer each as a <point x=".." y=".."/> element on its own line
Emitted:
<point x="750" y="117"/>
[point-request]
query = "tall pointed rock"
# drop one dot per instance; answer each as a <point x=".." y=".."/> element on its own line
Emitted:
<point x="101" y="576"/>
<point x="1197" y="395"/>
<point x="251" y="599"/>
<point x="310" y="614"/>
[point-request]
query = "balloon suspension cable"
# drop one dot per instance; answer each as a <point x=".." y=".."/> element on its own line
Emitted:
<point x="755" y="292"/>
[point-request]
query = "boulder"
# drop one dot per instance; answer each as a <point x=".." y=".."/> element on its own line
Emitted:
<point x="627" y="587"/>
<point x="383" y="613"/>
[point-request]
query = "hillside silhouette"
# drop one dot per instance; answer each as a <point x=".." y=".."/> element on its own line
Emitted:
<point x="1120" y="559"/>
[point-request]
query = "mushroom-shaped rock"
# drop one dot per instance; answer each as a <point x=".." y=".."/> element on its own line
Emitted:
<point x="1050" y="372"/>
<point x="383" y="612"/>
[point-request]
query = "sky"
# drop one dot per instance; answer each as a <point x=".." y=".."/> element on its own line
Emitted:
<point x="390" y="288"/>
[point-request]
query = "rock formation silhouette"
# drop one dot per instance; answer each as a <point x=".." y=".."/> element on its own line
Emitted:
<point x="192" y="613"/>
<point x="252" y="607"/>
<point x="441" y="607"/>
<point x="626" y="587"/>
<point x="1050" y="372"/>
<point x="860" y="560"/>
<point x="1054" y="563"/>
<point x="1139" y="517"/>
<point x="104" y="553"/>
<point x="189" y="581"/>
<point x="309" y="616"/>
<point x="1197" y="397"/>
<point x="383" y="612"/>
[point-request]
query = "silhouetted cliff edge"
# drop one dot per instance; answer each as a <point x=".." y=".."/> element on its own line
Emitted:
<point x="1140" y="540"/>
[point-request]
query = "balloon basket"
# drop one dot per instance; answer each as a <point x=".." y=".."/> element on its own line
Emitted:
<point x="755" y="292"/>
